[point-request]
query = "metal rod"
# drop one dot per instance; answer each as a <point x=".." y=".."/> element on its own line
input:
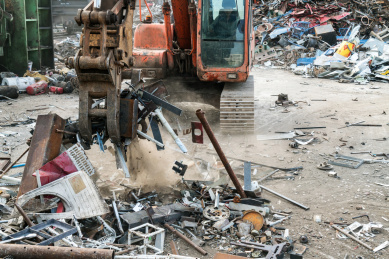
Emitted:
<point x="352" y="237"/>
<point x="122" y="161"/>
<point x="115" y="209"/>
<point x="65" y="132"/>
<point x="27" y="219"/>
<point x="284" y="197"/>
<point x="199" y="249"/>
<point x="125" y="251"/>
<point x="164" y="122"/>
<point x="174" y="247"/>
<point x="267" y="176"/>
<point x="201" y="115"/>
<point x="12" y="179"/>
<point x="49" y="252"/>
<point x="279" y="221"/>
<point x="348" y="125"/>
<point x="256" y="246"/>
<point x="150" y="138"/>
<point x="24" y="215"/>
<point x="309" y="128"/>
<point x="17" y="160"/>
<point x="38" y="179"/>
<point x="368" y="125"/>
<point x="268" y="166"/>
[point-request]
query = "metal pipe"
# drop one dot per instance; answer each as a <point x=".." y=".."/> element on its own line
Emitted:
<point x="49" y="252"/>
<point x="150" y="138"/>
<point x="148" y="8"/>
<point x="173" y="247"/>
<point x="270" y="174"/>
<point x="199" y="249"/>
<point x="256" y="246"/>
<point x="201" y="115"/>
<point x="24" y="215"/>
<point x="352" y="237"/>
<point x="26" y="219"/>
<point x="279" y="221"/>
<point x="115" y="209"/>
<point x="167" y="126"/>
<point x="284" y="197"/>
<point x="17" y="160"/>
<point x="12" y="179"/>
<point x="122" y="161"/>
<point x="140" y="10"/>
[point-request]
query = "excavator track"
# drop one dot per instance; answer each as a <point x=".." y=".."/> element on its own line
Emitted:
<point x="237" y="108"/>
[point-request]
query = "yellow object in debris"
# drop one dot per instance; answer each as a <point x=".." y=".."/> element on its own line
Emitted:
<point x="345" y="48"/>
<point x="64" y="71"/>
<point x="385" y="73"/>
<point x="36" y="74"/>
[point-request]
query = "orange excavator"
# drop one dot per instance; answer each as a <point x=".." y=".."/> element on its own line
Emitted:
<point x="212" y="40"/>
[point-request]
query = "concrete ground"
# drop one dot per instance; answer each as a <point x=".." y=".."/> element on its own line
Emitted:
<point x="354" y="193"/>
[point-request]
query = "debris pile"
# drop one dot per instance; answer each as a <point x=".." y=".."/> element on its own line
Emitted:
<point x="36" y="83"/>
<point x="58" y="203"/>
<point x="67" y="48"/>
<point x="344" y="40"/>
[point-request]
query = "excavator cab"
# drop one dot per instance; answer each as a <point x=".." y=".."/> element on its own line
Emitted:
<point x="214" y="39"/>
<point x="222" y="41"/>
<point x="225" y="40"/>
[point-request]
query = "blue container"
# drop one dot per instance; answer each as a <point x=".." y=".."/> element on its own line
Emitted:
<point x="305" y="61"/>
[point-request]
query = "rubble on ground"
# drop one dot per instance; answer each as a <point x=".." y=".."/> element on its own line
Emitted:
<point x="58" y="203"/>
<point x="67" y="48"/>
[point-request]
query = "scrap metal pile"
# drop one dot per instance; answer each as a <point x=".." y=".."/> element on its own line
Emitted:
<point x="59" y="210"/>
<point x="343" y="40"/>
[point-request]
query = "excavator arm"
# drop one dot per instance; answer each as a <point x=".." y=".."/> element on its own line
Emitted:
<point x="106" y="49"/>
<point x="104" y="60"/>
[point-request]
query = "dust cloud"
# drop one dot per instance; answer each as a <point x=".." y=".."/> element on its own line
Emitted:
<point x="151" y="169"/>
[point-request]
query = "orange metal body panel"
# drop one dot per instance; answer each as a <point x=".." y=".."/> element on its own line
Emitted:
<point x="152" y="62"/>
<point x="150" y="51"/>
<point x="182" y="23"/>
<point x="220" y="74"/>
<point x="149" y="58"/>
<point x="150" y="36"/>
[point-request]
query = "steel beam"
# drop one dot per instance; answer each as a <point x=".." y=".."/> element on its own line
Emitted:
<point x="45" y="146"/>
